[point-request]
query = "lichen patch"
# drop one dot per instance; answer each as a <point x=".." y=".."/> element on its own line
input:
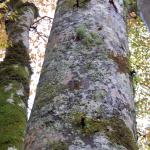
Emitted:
<point x="11" y="100"/>
<point x="9" y="87"/>
<point x="12" y="148"/>
<point x="20" y="92"/>
<point x="22" y="105"/>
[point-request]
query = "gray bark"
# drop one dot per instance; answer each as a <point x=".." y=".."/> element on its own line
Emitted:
<point x="144" y="9"/>
<point x="84" y="99"/>
<point x="15" y="73"/>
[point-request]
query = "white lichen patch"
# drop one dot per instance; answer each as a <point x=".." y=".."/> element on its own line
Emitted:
<point x="78" y="144"/>
<point x="53" y="136"/>
<point x="101" y="141"/>
<point x="10" y="100"/>
<point x="68" y="77"/>
<point x="27" y="71"/>
<point x="22" y="105"/>
<point x="124" y="85"/>
<point x="9" y="87"/>
<point x="20" y="92"/>
<point x="12" y="148"/>
<point x="75" y="147"/>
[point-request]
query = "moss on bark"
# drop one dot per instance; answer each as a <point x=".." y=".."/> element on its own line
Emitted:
<point x="12" y="117"/>
<point x="114" y="128"/>
<point x="15" y="73"/>
<point x="59" y="145"/>
<point x="87" y="38"/>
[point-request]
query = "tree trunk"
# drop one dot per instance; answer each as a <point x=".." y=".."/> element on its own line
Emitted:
<point x="15" y="73"/>
<point x="84" y="98"/>
<point x="144" y="9"/>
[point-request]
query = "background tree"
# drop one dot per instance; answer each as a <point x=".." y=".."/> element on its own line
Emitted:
<point x="84" y="97"/>
<point x="139" y="61"/>
<point x="39" y="34"/>
<point x="15" y="73"/>
<point x="139" y="39"/>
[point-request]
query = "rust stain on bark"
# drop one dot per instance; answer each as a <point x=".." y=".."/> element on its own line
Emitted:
<point x="74" y="85"/>
<point x="123" y="64"/>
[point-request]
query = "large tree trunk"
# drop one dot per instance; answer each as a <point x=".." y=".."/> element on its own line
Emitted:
<point x="84" y="98"/>
<point x="15" y="73"/>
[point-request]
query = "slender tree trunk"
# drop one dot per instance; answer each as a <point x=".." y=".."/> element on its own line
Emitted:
<point x="84" y="98"/>
<point x="15" y="73"/>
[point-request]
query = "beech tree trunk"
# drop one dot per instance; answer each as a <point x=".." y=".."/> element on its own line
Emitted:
<point x="15" y="73"/>
<point x="84" y="99"/>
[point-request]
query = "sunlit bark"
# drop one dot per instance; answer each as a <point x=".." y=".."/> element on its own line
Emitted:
<point x="84" y="98"/>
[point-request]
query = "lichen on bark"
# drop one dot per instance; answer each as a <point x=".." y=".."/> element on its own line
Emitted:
<point x="86" y="56"/>
<point x="113" y="128"/>
<point x="15" y="74"/>
<point x="12" y="116"/>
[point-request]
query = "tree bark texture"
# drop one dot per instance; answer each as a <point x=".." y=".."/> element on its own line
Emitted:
<point x="84" y="99"/>
<point x="15" y="73"/>
<point x="144" y="9"/>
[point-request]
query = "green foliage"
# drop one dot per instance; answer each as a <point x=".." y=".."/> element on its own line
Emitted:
<point x="140" y="62"/>
<point x="131" y="5"/>
<point x="7" y="15"/>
